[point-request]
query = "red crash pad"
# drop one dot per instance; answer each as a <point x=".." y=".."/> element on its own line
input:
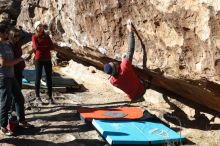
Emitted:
<point x="127" y="113"/>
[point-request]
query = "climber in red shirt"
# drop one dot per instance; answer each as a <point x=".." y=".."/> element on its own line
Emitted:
<point x="42" y="45"/>
<point x="123" y="75"/>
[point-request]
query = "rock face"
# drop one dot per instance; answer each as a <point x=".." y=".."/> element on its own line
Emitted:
<point x="181" y="37"/>
<point x="9" y="11"/>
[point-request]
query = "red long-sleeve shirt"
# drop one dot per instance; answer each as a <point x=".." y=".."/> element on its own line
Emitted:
<point x="127" y="80"/>
<point x="42" y="46"/>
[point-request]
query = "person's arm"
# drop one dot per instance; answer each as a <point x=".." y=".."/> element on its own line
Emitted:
<point x="4" y="62"/>
<point x="31" y="52"/>
<point x="36" y="46"/>
<point x="50" y="43"/>
<point x="131" y="46"/>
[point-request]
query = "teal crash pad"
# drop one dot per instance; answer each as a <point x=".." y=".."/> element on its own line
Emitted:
<point x="135" y="132"/>
<point x="24" y="80"/>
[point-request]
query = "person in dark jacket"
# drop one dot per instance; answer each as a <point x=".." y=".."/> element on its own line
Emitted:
<point x="9" y="88"/>
<point x="42" y="45"/>
<point x="13" y="38"/>
<point x="123" y="75"/>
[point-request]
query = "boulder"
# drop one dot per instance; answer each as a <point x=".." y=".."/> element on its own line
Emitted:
<point x="181" y="38"/>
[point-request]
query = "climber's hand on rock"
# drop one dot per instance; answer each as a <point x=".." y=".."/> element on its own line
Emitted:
<point x="129" y="25"/>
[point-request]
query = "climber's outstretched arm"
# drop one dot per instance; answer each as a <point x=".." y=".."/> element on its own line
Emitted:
<point x="131" y="42"/>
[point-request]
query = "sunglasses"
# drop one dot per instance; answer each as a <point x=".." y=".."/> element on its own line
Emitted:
<point x="16" y="36"/>
<point x="40" y="25"/>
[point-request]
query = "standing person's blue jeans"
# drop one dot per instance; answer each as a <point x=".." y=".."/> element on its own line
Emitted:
<point x="18" y="77"/>
<point x="48" y="70"/>
<point x="10" y="89"/>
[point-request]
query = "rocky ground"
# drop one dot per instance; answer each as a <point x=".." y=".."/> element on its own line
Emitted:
<point x="60" y="124"/>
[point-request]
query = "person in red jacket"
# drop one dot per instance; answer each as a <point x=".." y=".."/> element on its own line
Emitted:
<point x="123" y="75"/>
<point x="42" y="45"/>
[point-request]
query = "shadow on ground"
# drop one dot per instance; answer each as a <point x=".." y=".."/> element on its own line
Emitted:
<point x="34" y="142"/>
<point x="180" y="118"/>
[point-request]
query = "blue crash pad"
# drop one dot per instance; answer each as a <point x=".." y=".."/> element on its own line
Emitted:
<point x="24" y="80"/>
<point x="135" y="132"/>
<point x="30" y="74"/>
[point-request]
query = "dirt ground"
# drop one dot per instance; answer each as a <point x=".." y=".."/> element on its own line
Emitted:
<point x="60" y="124"/>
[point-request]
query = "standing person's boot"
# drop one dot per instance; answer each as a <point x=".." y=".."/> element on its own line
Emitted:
<point x="25" y="124"/>
<point x="51" y="101"/>
<point x="5" y="131"/>
<point x="38" y="101"/>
